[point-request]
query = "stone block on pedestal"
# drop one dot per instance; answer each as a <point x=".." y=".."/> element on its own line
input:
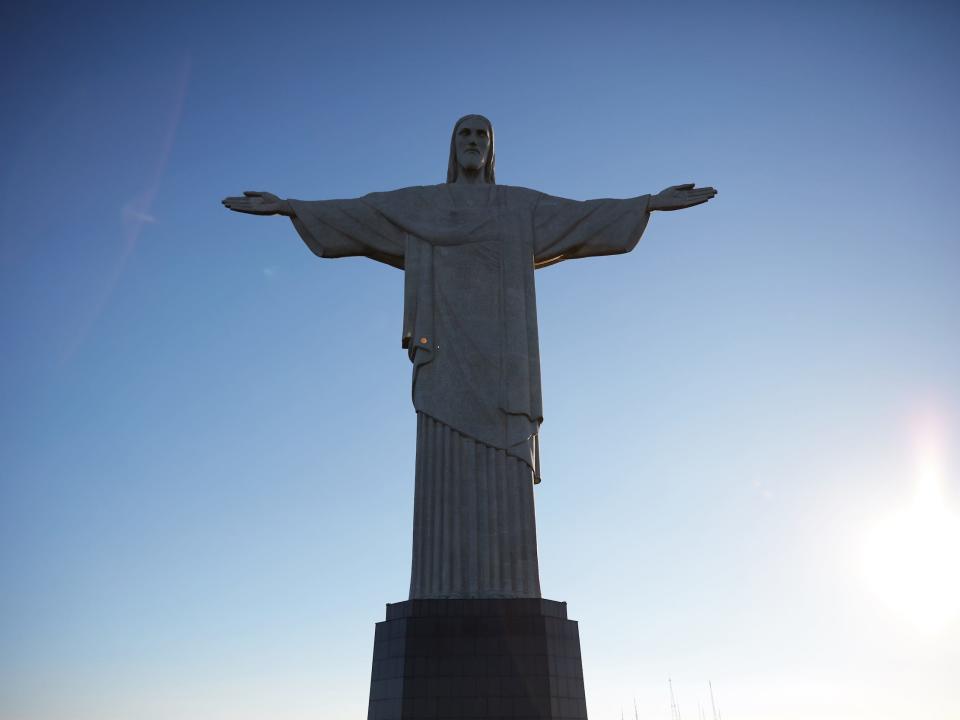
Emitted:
<point x="495" y="659"/>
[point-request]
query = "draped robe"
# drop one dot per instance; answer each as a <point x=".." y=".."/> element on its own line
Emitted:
<point x="470" y="330"/>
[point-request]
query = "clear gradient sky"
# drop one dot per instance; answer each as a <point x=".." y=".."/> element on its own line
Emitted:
<point x="750" y="454"/>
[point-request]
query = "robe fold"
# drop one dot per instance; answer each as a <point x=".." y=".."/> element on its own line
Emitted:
<point x="469" y="317"/>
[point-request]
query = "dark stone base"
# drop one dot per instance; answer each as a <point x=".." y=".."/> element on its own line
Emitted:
<point x="477" y="659"/>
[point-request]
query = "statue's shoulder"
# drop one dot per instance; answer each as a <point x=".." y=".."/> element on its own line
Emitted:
<point x="519" y="195"/>
<point x="413" y="195"/>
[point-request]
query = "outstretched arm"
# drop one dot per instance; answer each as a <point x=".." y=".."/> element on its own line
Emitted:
<point x="335" y="228"/>
<point x="678" y="197"/>
<point x="569" y="229"/>
<point x="258" y="203"/>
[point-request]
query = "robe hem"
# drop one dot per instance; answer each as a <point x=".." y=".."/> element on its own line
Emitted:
<point x="519" y="458"/>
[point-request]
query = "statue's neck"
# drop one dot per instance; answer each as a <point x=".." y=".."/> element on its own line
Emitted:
<point x="470" y="177"/>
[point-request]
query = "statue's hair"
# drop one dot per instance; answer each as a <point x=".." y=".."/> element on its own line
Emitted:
<point x="489" y="168"/>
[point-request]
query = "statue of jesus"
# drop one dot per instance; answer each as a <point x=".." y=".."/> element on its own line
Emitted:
<point x="469" y="248"/>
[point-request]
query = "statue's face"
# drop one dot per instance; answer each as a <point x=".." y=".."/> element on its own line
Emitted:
<point x="473" y="144"/>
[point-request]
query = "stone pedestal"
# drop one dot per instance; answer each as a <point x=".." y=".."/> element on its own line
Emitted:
<point x="516" y="659"/>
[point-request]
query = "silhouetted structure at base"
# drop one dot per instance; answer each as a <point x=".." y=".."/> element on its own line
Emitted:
<point x="495" y="659"/>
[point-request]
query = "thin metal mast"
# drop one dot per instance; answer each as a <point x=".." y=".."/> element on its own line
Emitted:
<point x="716" y="715"/>
<point x="674" y="710"/>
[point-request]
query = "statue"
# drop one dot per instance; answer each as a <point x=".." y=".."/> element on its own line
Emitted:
<point x="469" y="248"/>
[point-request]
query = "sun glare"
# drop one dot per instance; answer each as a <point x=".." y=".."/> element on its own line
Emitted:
<point x="912" y="557"/>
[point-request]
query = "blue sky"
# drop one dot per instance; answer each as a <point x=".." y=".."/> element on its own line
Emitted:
<point x="206" y="435"/>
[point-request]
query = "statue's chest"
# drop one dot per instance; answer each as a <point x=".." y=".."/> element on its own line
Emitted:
<point x="463" y="225"/>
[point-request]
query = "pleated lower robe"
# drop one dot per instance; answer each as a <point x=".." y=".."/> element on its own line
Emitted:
<point x="474" y="526"/>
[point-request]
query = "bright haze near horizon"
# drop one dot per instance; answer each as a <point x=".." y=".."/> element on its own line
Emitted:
<point x="750" y="452"/>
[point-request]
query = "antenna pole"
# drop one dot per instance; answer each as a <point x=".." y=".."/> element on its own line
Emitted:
<point x="674" y="710"/>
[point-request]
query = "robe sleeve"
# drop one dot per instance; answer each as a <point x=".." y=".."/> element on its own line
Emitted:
<point x="569" y="229"/>
<point x="350" y="228"/>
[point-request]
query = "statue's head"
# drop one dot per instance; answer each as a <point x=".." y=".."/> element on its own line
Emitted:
<point x="471" y="148"/>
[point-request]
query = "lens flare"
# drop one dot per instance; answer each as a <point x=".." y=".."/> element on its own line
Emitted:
<point x="911" y="557"/>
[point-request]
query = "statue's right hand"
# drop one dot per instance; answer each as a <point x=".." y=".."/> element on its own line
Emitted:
<point x="257" y="203"/>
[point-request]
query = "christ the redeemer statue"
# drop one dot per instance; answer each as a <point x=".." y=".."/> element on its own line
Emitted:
<point x="469" y="248"/>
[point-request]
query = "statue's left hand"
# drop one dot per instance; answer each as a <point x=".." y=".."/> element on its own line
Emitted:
<point x="678" y="197"/>
<point x="258" y="203"/>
